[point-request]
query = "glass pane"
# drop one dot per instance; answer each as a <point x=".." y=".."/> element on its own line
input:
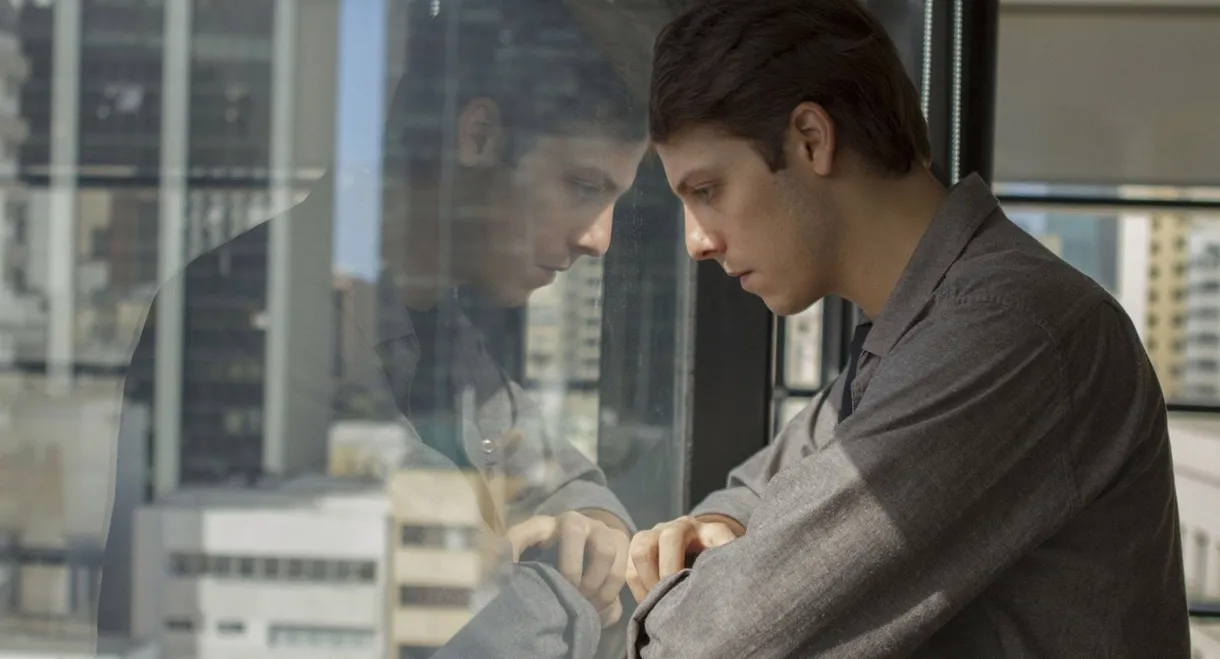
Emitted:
<point x="1066" y="110"/>
<point x="803" y="349"/>
<point x="790" y="408"/>
<point x="1164" y="267"/>
<point x="338" y="295"/>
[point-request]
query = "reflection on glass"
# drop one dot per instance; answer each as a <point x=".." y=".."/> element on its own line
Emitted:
<point x="277" y="377"/>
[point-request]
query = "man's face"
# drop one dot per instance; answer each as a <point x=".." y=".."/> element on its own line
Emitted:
<point x="775" y="230"/>
<point x="554" y="205"/>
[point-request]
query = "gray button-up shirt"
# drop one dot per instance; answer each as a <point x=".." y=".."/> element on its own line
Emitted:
<point x="1003" y="489"/>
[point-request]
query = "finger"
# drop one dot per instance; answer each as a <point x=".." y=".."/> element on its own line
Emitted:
<point x="638" y="591"/>
<point x="601" y="551"/>
<point x="573" y="533"/>
<point x="644" y="560"/>
<point x="671" y="548"/>
<point x="533" y="531"/>
<point x="715" y="534"/>
<point x="611" y="613"/>
<point x="613" y="584"/>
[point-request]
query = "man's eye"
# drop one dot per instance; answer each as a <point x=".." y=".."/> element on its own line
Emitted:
<point x="704" y="193"/>
<point x="584" y="188"/>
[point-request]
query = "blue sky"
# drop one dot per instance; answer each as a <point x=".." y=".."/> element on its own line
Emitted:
<point x="359" y="122"/>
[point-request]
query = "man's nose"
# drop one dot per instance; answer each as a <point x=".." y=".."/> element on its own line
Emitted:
<point x="700" y="244"/>
<point x="595" y="240"/>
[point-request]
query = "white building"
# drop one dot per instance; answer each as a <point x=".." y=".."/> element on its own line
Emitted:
<point x="292" y="570"/>
<point x="1201" y="358"/>
<point x="563" y="353"/>
<point x="69" y="641"/>
<point x="1196" y="456"/>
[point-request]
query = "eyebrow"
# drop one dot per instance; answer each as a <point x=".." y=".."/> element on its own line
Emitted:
<point x="685" y="186"/>
<point x="603" y="177"/>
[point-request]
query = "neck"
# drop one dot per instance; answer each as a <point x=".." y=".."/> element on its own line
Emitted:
<point x="885" y="220"/>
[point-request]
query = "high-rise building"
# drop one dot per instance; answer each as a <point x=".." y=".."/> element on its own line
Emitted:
<point x="355" y="313"/>
<point x="159" y="131"/>
<point x="1199" y="357"/>
<point x="18" y="310"/>
<point x="563" y="352"/>
<point x="1167" y="295"/>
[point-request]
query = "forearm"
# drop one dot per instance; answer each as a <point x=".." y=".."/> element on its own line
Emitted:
<point x="536" y="613"/>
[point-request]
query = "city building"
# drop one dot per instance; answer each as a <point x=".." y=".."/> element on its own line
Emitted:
<point x="355" y="315"/>
<point x="328" y="566"/>
<point x="56" y="485"/>
<point x="19" y="317"/>
<point x="438" y="559"/>
<point x="1168" y="294"/>
<point x="279" y="570"/>
<point x="1196" y="456"/>
<point x="364" y="447"/>
<point x="563" y="342"/>
<point x="1199" y="351"/>
<point x="158" y="131"/>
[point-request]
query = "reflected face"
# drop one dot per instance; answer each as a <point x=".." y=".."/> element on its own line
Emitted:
<point x="775" y="231"/>
<point x="538" y="216"/>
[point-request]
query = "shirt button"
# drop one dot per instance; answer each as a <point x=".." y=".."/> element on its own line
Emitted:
<point x="488" y="446"/>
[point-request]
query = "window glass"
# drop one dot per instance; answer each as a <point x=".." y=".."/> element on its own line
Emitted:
<point x="307" y="306"/>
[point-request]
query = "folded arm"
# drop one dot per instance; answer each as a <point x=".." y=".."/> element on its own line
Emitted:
<point x="952" y="467"/>
<point x="802" y="436"/>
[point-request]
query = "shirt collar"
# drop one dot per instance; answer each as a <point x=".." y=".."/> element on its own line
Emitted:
<point x="965" y="208"/>
<point x="393" y="317"/>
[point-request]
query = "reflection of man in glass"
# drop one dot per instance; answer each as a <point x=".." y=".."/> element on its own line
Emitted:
<point x="508" y="142"/>
<point x="507" y="145"/>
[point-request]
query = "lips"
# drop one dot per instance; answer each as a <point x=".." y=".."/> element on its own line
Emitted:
<point x="742" y="276"/>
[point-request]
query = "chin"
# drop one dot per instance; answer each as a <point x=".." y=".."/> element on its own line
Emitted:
<point x="512" y="296"/>
<point x="787" y="306"/>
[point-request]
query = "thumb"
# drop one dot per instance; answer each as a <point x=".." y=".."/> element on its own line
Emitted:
<point x="533" y="531"/>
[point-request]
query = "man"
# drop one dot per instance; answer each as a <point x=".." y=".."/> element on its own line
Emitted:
<point x="503" y="166"/>
<point x="998" y="481"/>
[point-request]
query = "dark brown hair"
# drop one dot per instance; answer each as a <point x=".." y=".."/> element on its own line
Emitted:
<point x="744" y="65"/>
<point x="532" y="57"/>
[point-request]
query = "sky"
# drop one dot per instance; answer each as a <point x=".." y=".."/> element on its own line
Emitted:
<point x="358" y="129"/>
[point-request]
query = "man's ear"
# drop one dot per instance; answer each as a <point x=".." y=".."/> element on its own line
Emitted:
<point x="813" y="136"/>
<point x="480" y="134"/>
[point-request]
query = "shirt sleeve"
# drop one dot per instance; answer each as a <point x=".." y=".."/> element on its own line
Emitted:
<point x="952" y="467"/>
<point x="563" y="478"/>
<point x="810" y="429"/>
<point x="536" y="613"/>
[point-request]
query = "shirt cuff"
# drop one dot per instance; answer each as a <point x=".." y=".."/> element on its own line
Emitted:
<point x="637" y="632"/>
<point x="583" y="495"/>
<point x="735" y="502"/>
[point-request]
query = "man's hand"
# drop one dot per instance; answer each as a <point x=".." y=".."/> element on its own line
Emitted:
<point x="592" y="555"/>
<point x="663" y="551"/>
